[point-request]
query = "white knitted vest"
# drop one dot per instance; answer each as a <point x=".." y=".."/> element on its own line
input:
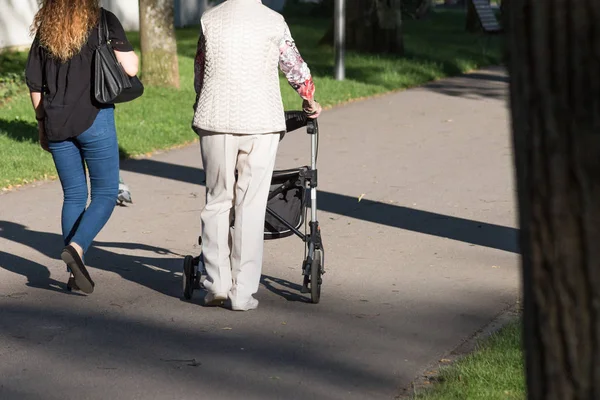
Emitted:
<point x="241" y="92"/>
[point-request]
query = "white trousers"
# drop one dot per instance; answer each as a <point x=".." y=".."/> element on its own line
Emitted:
<point x="234" y="260"/>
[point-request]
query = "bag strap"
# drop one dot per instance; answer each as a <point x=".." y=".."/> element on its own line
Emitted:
<point x="44" y="75"/>
<point x="102" y="28"/>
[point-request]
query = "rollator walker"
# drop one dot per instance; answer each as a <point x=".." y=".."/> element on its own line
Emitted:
<point x="292" y="196"/>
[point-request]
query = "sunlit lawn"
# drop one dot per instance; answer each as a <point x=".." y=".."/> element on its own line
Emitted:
<point x="494" y="372"/>
<point x="435" y="48"/>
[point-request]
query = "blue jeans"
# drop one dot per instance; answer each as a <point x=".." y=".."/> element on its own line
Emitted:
<point x="97" y="148"/>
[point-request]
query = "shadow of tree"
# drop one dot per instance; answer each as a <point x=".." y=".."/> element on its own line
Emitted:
<point x="157" y="273"/>
<point x="13" y="62"/>
<point x="465" y="230"/>
<point x="440" y="42"/>
<point x="492" y="83"/>
<point x="26" y="131"/>
<point x="129" y="343"/>
<point x="339" y="351"/>
<point x="38" y="276"/>
<point x="154" y="272"/>
<point x="19" y="130"/>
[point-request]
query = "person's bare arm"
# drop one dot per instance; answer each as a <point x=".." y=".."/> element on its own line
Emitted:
<point x="40" y="114"/>
<point x="36" y="101"/>
<point x="129" y="60"/>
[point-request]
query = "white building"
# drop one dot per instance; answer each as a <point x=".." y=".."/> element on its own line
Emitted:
<point x="16" y="16"/>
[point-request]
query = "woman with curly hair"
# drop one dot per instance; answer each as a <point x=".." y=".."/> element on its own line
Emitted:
<point x="79" y="132"/>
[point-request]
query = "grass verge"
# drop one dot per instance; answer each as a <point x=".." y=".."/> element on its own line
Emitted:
<point x="493" y="372"/>
<point x="435" y="48"/>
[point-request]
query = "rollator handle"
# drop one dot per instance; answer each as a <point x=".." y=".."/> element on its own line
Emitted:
<point x="312" y="126"/>
<point x="295" y="120"/>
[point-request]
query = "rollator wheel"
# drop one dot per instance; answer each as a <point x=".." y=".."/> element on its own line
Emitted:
<point x="315" y="277"/>
<point x="188" y="277"/>
<point x="199" y="271"/>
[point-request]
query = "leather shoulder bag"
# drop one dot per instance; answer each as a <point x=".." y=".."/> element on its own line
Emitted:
<point x="111" y="84"/>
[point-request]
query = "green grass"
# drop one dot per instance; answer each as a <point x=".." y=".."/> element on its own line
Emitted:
<point x="435" y="48"/>
<point x="493" y="372"/>
<point x="12" y="76"/>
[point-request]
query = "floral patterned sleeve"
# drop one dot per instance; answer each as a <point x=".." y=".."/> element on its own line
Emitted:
<point x="294" y="68"/>
<point x="199" y="64"/>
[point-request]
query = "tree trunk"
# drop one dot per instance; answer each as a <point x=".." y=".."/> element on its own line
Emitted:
<point x="554" y="67"/>
<point x="472" y="24"/>
<point x="424" y="9"/>
<point x="372" y="26"/>
<point x="503" y="11"/>
<point x="416" y="9"/>
<point x="158" y="43"/>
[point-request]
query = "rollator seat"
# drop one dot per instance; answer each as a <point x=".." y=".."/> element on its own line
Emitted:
<point x="283" y="175"/>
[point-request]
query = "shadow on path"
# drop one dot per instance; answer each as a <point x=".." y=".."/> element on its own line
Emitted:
<point x="492" y="83"/>
<point x="156" y="273"/>
<point x="464" y="230"/>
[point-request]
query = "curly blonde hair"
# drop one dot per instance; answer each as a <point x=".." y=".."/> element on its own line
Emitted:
<point x="63" y="26"/>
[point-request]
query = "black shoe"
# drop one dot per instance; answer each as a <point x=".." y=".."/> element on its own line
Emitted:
<point x="82" y="277"/>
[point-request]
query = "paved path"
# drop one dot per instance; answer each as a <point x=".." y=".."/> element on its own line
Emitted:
<point x="427" y="258"/>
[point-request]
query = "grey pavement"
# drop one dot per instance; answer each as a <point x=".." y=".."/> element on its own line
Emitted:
<point x="425" y="259"/>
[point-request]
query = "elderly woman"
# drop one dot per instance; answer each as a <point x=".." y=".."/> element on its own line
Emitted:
<point x="239" y="116"/>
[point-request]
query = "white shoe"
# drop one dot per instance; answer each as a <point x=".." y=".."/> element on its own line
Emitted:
<point x="214" y="299"/>
<point x="250" y="304"/>
<point x="124" y="195"/>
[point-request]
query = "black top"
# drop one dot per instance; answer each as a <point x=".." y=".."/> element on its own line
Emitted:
<point x="68" y="87"/>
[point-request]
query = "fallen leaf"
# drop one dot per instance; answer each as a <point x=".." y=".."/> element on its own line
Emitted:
<point x="361" y="197"/>
<point x="495" y="266"/>
<point x="190" y="363"/>
<point x="227" y="328"/>
<point x="445" y="360"/>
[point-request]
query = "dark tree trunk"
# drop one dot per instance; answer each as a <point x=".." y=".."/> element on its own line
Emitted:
<point x="158" y="43"/>
<point x="372" y="26"/>
<point x="472" y="24"/>
<point x="554" y="63"/>
<point x="416" y="9"/>
<point x="424" y="9"/>
<point x="504" y="10"/>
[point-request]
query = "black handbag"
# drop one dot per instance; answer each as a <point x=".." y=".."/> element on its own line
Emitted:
<point x="111" y="82"/>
